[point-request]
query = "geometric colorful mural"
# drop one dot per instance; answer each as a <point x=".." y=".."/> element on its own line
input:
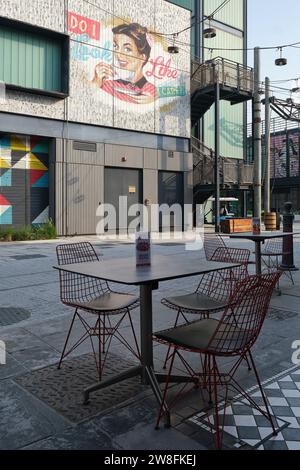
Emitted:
<point x="24" y="180"/>
<point x="5" y="211"/>
<point x="5" y="178"/>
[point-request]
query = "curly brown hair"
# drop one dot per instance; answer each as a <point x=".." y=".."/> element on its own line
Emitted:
<point x="139" y="34"/>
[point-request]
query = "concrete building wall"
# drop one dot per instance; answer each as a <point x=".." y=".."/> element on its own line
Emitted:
<point x="79" y="180"/>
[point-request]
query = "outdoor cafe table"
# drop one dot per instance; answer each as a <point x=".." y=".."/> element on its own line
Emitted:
<point x="258" y="239"/>
<point x="125" y="271"/>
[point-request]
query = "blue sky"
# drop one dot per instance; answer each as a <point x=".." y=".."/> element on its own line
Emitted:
<point x="272" y="23"/>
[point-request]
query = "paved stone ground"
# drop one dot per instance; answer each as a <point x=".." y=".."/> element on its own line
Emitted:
<point x="28" y="281"/>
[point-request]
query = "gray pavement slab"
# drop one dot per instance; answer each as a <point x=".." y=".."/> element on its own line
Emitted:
<point x="12" y="368"/>
<point x="75" y="438"/>
<point x="145" y="437"/>
<point x="23" y="419"/>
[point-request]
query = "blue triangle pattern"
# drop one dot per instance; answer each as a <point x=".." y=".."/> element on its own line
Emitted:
<point x="6" y="217"/>
<point x="6" y="178"/>
<point x="43" y="182"/>
<point x="5" y="142"/>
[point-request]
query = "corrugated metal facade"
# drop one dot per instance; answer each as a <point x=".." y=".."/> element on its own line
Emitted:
<point x="231" y="14"/>
<point x="80" y="184"/>
<point x="232" y="117"/>
<point x="84" y="194"/>
<point x="79" y="188"/>
<point x="29" y="60"/>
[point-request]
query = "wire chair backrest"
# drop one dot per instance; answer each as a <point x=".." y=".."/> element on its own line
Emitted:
<point x="274" y="246"/>
<point x="77" y="288"/>
<point x="213" y="245"/>
<point x="243" y="318"/>
<point x="219" y="285"/>
<point x="72" y="253"/>
<point x="216" y="250"/>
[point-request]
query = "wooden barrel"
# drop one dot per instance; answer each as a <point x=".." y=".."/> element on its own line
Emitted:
<point x="270" y="221"/>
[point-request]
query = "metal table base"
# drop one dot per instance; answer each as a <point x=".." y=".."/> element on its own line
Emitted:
<point x="146" y="369"/>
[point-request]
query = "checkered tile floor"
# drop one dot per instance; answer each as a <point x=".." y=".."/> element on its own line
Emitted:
<point x="248" y="427"/>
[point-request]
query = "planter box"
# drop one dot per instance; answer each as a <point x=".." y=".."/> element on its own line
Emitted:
<point x="236" y="225"/>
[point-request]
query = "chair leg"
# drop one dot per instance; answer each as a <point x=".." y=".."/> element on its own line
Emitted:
<point x="162" y="409"/>
<point x="248" y="363"/>
<point x="169" y="347"/>
<point x="100" y="347"/>
<point x="206" y="376"/>
<point x="103" y="343"/>
<point x="67" y="340"/>
<point x="204" y="368"/>
<point x="134" y="336"/>
<point x="216" y="407"/>
<point x="289" y="274"/>
<point x="209" y="386"/>
<point x="263" y="394"/>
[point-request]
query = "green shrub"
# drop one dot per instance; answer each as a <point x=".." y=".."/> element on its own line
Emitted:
<point x="22" y="234"/>
<point x="6" y="233"/>
<point x="46" y="231"/>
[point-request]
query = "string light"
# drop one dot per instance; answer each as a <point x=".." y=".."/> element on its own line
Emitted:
<point x="209" y="33"/>
<point x="173" y="49"/>
<point x="281" y="61"/>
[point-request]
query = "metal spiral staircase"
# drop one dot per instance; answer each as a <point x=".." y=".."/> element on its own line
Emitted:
<point x="236" y="86"/>
<point x="234" y="173"/>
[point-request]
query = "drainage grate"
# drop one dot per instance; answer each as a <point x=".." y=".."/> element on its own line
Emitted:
<point x="105" y="246"/>
<point x="280" y="315"/>
<point x="62" y="389"/>
<point x="169" y="244"/>
<point x="11" y="315"/>
<point x="23" y="257"/>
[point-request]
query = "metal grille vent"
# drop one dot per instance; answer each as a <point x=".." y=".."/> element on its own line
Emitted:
<point x="85" y="146"/>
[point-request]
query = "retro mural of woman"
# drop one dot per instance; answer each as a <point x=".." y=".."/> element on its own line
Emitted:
<point x="126" y="81"/>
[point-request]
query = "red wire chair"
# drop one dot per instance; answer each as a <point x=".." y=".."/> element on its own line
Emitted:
<point x="216" y="250"/>
<point x="271" y="256"/>
<point x="94" y="297"/>
<point x="214" y="289"/>
<point x="211" y="296"/>
<point x="231" y="336"/>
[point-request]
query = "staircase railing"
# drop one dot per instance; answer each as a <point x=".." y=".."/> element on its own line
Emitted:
<point x="232" y="171"/>
<point x="203" y="163"/>
<point x="227" y="72"/>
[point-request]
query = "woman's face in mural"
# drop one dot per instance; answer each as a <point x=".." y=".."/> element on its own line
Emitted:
<point x="127" y="54"/>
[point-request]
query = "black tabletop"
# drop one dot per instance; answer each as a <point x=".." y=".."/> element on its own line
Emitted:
<point x="260" y="236"/>
<point x="163" y="268"/>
